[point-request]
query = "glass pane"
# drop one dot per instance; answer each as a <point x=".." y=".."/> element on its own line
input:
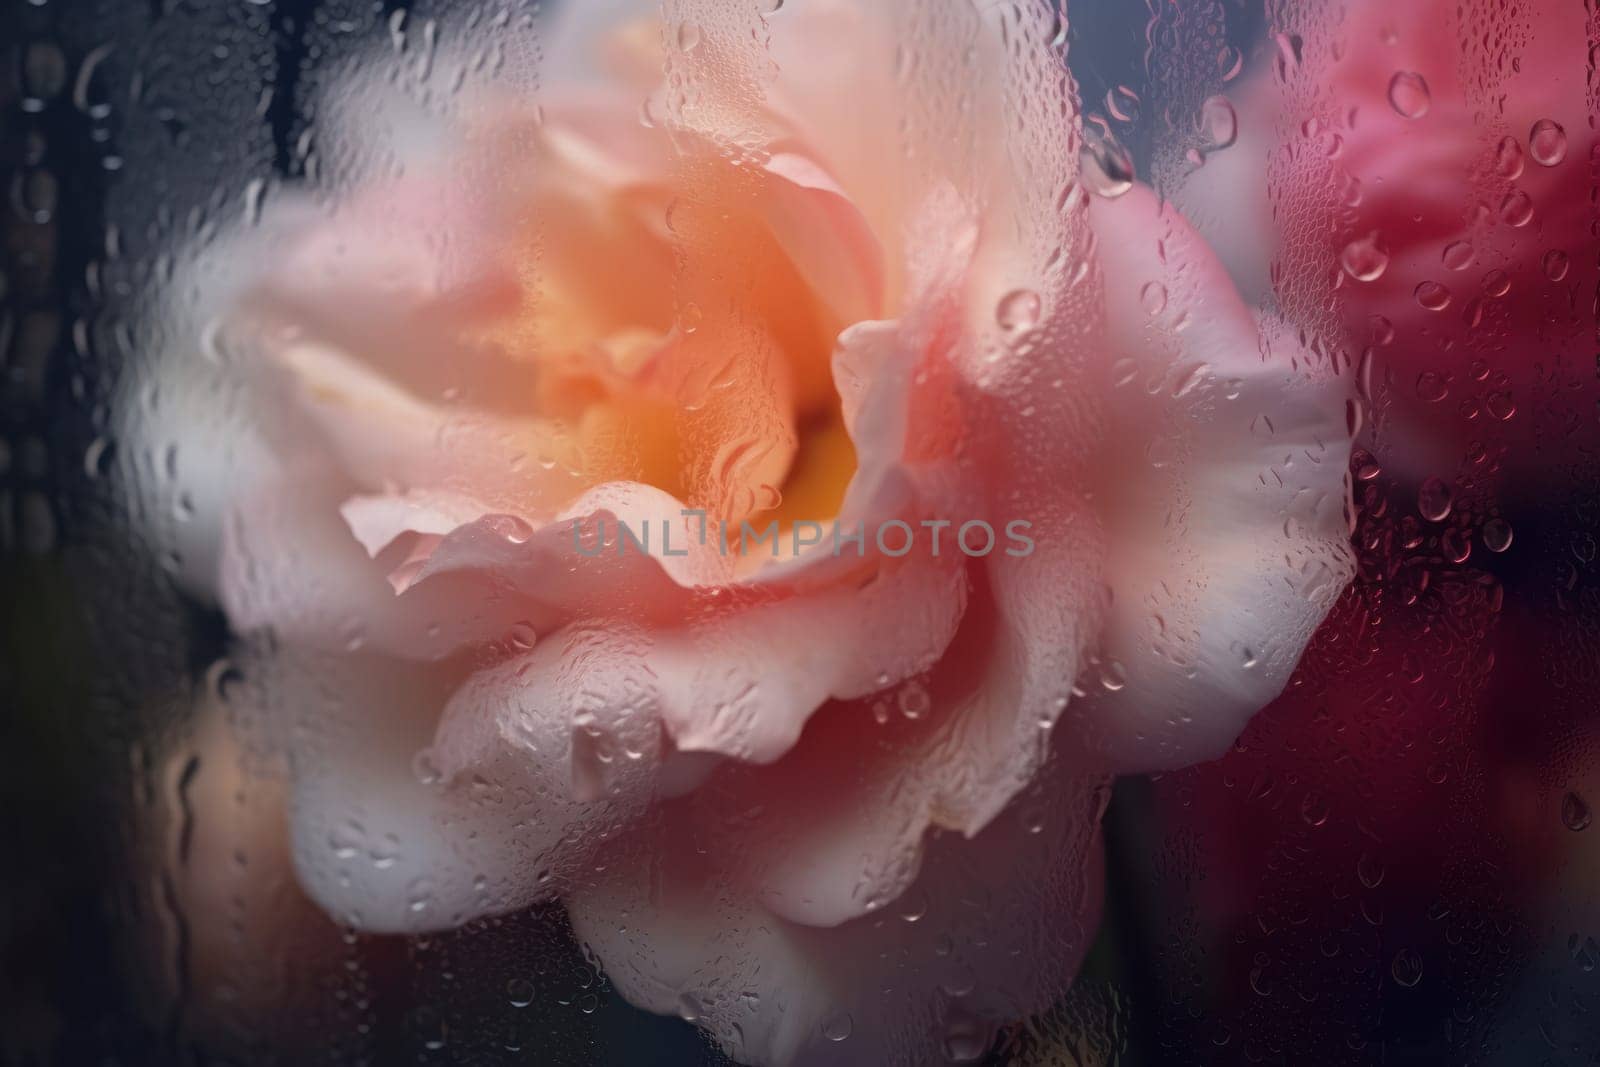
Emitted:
<point x="793" y="532"/>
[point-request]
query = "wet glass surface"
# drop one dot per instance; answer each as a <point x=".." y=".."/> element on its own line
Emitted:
<point x="1313" y="470"/>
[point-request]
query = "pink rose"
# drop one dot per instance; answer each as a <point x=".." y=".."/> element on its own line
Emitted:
<point x="1433" y="219"/>
<point x="833" y="266"/>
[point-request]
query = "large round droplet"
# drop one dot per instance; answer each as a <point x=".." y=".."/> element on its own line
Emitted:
<point x="1556" y="264"/>
<point x="1153" y="298"/>
<point x="1547" y="143"/>
<point x="1019" y="311"/>
<point x="1219" y="123"/>
<point x="1575" y="814"/>
<point x="1458" y="255"/>
<point x="1432" y="296"/>
<point x="44" y="73"/>
<point x="1106" y="166"/>
<point x="1406" y="968"/>
<point x="1497" y="535"/>
<point x="1435" y="500"/>
<point x="1432" y="387"/>
<point x="520" y="991"/>
<point x="1363" y="259"/>
<point x="1517" y="208"/>
<point x="1408" y="94"/>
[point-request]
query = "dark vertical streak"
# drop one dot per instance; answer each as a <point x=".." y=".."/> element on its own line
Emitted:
<point x="288" y="20"/>
<point x="183" y="811"/>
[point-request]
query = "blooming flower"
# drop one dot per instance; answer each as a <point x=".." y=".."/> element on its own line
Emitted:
<point x="1452" y="150"/>
<point x="827" y="263"/>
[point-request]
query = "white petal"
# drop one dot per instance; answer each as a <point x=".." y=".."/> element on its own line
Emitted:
<point x="992" y="930"/>
<point x="1225" y="496"/>
<point x="291" y="566"/>
<point x="406" y="818"/>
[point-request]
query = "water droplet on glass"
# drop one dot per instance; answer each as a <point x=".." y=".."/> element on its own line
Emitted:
<point x="1370" y="870"/>
<point x="1313" y="809"/>
<point x="1153" y="298"/>
<point x="1458" y="255"/>
<point x="966" y="1039"/>
<point x="1435" y="499"/>
<point x="1432" y="387"/>
<point x="690" y="317"/>
<point x="44" y="73"/>
<point x="35" y="194"/>
<point x="425" y="768"/>
<point x="1432" y="296"/>
<point x="346" y="839"/>
<point x="1290" y="47"/>
<point x="1123" y="104"/>
<point x="838" y="1027"/>
<point x="520" y="991"/>
<point x="1230" y="61"/>
<point x="1219" y="123"/>
<point x="1508" y="159"/>
<point x="1019" y="311"/>
<point x="97" y="458"/>
<point x="688" y="36"/>
<point x="914" y="700"/>
<point x="1547" y="143"/>
<point x="1556" y="264"/>
<point x="1575" y="814"/>
<point x="1113" y="677"/>
<point x="1408" y="94"/>
<point x="419" y="895"/>
<point x="1497" y="535"/>
<point x="514" y="529"/>
<point x="1363" y="259"/>
<point x="1107" y="166"/>
<point x="1407" y="967"/>
<point x="1517" y="208"/>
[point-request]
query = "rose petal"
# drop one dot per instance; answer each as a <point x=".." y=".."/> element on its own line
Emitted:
<point x="290" y="566"/>
<point x="992" y="930"/>
<point x="746" y="681"/>
<point x="381" y="435"/>
<point x="742" y="672"/>
<point x="1225" y="498"/>
<point x="407" y="820"/>
<point x="826" y="236"/>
